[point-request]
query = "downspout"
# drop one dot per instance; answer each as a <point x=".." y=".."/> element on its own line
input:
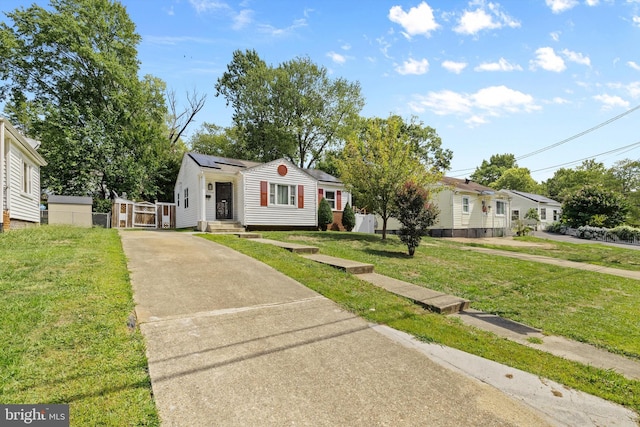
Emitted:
<point x="202" y="214"/>
<point x="2" y="169"/>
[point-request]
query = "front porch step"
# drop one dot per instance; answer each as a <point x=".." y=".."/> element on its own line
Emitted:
<point x="224" y="227"/>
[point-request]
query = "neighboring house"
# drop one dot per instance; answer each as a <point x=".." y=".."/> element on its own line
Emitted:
<point x="548" y="209"/>
<point x="468" y="209"/>
<point x="73" y="210"/>
<point x="19" y="178"/>
<point x="213" y="191"/>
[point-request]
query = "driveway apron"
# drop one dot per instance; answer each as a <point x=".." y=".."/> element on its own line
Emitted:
<point x="231" y="341"/>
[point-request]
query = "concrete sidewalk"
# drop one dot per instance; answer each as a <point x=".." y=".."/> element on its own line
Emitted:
<point x="230" y="341"/>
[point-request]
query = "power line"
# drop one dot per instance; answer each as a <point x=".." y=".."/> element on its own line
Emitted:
<point x="564" y="141"/>
<point x="578" y="135"/>
<point x="626" y="147"/>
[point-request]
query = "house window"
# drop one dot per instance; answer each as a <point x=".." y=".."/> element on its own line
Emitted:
<point x="465" y="205"/>
<point x="543" y="214"/>
<point x="186" y="198"/>
<point x="556" y="216"/>
<point x="515" y="215"/>
<point x="331" y="198"/>
<point x="500" y="207"/>
<point x="26" y="177"/>
<point x="284" y="195"/>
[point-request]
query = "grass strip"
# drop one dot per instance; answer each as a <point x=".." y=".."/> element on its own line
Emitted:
<point x="377" y="305"/>
<point x="66" y="301"/>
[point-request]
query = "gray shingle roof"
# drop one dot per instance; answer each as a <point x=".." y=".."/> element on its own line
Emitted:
<point x="70" y="200"/>
<point x="535" y="197"/>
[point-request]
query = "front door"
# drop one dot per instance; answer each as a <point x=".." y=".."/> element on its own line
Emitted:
<point x="224" y="207"/>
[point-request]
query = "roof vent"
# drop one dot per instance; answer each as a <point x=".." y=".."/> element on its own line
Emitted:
<point x="467" y="180"/>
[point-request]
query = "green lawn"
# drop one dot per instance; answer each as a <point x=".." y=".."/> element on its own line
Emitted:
<point x="591" y="253"/>
<point x="66" y="300"/>
<point x="587" y="306"/>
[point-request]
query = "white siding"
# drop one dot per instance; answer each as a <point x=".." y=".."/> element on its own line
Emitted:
<point x="212" y="178"/>
<point x="187" y="178"/>
<point x="254" y="214"/>
<point x="23" y="205"/>
<point x="452" y="216"/>
<point x="345" y="195"/>
<point x="523" y="204"/>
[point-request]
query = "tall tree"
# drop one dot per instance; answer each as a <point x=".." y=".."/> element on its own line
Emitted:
<point x="217" y="141"/>
<point x="566" y="182"/>
<point x="518" y="179"/>
<point x="293" y="110"/>
<point x="595" y="206"/>
<point x="379" y="157"/>
<point x="490" y="171"/>
<point x="70" y="77"/>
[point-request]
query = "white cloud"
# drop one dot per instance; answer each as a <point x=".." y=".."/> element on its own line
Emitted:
<point x="633" y="65"/>
<point x="413" y="67"/>
<point x="559" y="6"/>
<point x="559" y="100"/>
<point x="555" y="36"/>
<point x="337" y="58"/>
<point x="636" y="20"/>
<point x="592" y="2"/>
<point x="547" y="59"/>
<point x="202" y="6"/>
<point x="576" y="57"/>
<point x="494" y="101"/>
<point x="634" y="89"/>
<point x="487" y="16"/>
<point x="242" y="19"/>
<point x="345" y="46"/>
<point x="418" y="20"/>
<point x="277" y="32"/>
<point x="454" y="67"/>
<point x="609" y="101"/>
<point x="501" y="65"/>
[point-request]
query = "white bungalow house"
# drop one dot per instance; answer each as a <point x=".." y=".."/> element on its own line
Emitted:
<point x="19" y="178"/>
<point x="214" y="193"/>
<point x="548" y="209"/>
<point x="468" y="209"/>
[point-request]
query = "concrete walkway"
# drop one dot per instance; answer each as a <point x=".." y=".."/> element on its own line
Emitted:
<point x="230" y="341"/>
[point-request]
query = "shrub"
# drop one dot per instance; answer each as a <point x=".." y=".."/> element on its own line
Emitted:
<point x="555" y="227"/>
<point x="325" y="214"/>
<point x="594" y="206"/>
<point x="415" y="213"/>
<point x="348" y="218"/>
<point x="624" y="232"/>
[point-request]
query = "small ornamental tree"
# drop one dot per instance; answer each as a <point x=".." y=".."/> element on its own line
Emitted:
<point x="325" y="215"/>
<point x="415" y="213"/>
<point x="348" y="218"/>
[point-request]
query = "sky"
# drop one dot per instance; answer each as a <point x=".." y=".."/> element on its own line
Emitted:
<point x="491" y="77"/>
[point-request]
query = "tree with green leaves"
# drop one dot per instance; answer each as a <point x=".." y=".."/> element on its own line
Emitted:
<point x="566" y="182"/>
<point x="595" y="206"/>
<point x="518" y="179"/>
<point x="348" y="217"/>
<point x="215" y="140"/>
<point x="412" y="207"/>
<point x="379" y="157"/>
<point x="325" y="214"/>
<point x="69" y="77"/>
<point x="294" y="110"/>
<point x="490" y="171"/>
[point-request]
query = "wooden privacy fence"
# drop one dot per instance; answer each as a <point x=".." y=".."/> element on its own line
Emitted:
<point x="129" y="214"/>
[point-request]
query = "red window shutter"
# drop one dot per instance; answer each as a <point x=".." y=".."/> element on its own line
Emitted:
<point x="264" y="196"/>
<point x="338" y="200"/>
<point x="320" y="194"/>
<point x="300" y="196"/>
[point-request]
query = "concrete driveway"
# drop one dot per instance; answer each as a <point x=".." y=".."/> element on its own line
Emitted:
<point x="230" y="341"/>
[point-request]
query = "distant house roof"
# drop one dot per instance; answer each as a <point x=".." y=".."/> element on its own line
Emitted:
<point x="535" y="197"/>
<point x="70" y="200"/>
<point x="467" y="185"/>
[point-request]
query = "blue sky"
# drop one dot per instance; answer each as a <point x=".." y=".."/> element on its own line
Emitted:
<point x="491" y="77"/>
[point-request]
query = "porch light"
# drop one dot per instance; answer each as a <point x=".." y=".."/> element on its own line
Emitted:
<point x="210" y="187"/>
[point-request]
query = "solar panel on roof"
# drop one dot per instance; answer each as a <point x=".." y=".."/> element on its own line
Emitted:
<point x="228" y="162"/>
<point x="205" y="161"/>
